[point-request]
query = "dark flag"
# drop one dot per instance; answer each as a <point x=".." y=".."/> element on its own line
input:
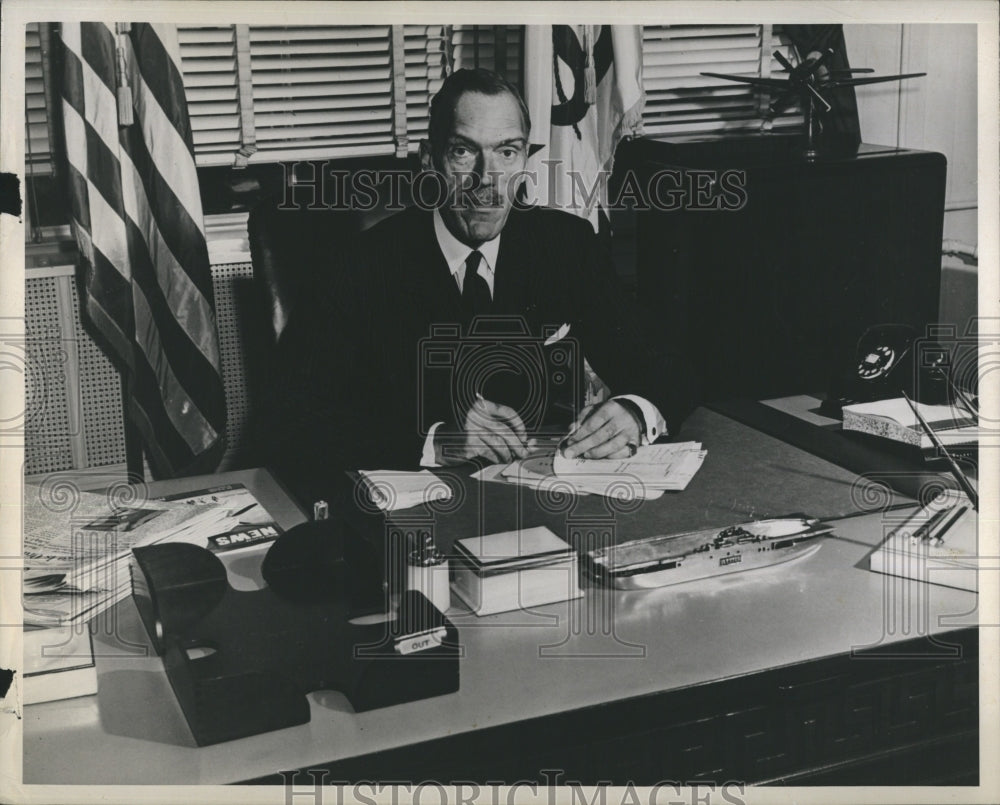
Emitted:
<point x="138" y="222"/>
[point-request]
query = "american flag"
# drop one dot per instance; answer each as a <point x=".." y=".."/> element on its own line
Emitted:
<point x="139" y="226"/>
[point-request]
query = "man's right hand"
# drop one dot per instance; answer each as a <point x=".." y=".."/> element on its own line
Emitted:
<point x="488" y="430"/>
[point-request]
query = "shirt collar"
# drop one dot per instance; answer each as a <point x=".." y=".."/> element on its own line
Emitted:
<point x="455" y="251"/>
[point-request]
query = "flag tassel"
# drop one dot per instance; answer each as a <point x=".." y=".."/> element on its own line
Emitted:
<point x="123" y="92"/>
<point x="589" y="73"/>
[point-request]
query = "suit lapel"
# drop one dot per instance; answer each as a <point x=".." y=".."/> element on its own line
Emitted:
<point x="513" y="277"/>
<point x="430" y="284"/>
<point x="428" y="281"/>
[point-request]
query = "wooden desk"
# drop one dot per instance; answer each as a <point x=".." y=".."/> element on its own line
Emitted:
<point x="750" y="677"/>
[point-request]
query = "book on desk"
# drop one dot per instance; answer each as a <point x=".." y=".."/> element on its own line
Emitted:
<point x="894" y="419"/>
<point x="58" y="664"/>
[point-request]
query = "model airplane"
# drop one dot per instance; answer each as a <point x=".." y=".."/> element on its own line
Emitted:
<point x="807" y="81"/>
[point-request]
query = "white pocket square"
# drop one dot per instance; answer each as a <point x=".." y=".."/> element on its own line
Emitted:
<point x="558" y="335"/>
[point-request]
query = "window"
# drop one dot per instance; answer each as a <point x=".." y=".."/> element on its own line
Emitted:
<point x="266" y="94"/>
<point x="37" y="100"/>
<point x="495" y="47"/>
<point x="679" y="100"/>
<point x="262" y="94"/>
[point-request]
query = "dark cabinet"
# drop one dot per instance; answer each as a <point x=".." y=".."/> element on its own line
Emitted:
<point x="766" y="267"/>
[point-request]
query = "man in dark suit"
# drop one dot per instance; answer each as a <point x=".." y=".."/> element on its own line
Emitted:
<point x="366" y="380"/>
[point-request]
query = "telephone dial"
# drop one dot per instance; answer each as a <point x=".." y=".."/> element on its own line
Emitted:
<point x="885" y="365"/>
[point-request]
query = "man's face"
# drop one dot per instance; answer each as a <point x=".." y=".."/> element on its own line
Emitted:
<point x="485" y="149"/>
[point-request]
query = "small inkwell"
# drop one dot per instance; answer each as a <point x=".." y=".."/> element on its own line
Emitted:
<point x="427" y="573"/>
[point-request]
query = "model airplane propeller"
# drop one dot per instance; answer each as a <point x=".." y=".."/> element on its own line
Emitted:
<point x="806" y="82"/>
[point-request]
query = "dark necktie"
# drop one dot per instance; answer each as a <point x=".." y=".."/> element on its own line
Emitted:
<point x="475" y="291"/>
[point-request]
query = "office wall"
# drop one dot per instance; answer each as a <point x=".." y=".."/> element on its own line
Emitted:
<point x="935" y="113"/>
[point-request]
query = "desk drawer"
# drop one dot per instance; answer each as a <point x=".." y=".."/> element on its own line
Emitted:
<point x="901" y="719"/>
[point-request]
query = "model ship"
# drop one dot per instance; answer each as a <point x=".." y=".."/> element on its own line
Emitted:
<point x="659" y="561"/>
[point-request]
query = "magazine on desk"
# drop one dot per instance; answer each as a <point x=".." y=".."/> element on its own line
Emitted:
<point x="76" y="562"/>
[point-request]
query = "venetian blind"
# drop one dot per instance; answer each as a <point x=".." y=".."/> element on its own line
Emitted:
<point x="37" y="101"/>
<point x="495" y="47"/>
<point x="679" y="100"/>
<point x="266" y="94"/>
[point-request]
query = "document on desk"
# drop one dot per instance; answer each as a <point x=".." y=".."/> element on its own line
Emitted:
<point x="653" y="470"/>
<point x="656" y="466"/>
<point x="391" y="489"/>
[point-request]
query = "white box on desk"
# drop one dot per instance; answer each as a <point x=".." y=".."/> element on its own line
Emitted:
<point x="515" y="570"/>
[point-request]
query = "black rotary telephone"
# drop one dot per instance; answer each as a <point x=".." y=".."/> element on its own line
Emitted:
<point x="884" y="366"/>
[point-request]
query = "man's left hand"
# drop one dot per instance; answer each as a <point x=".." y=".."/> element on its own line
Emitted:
<point x="608" y="430"/>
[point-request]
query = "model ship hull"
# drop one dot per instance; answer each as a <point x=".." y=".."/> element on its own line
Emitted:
<point x="660" y="561"/>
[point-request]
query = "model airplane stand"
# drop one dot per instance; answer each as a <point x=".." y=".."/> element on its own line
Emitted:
<point x="242" y="663"/>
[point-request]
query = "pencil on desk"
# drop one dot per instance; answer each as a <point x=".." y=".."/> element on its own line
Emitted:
<point x="955" y="469"/>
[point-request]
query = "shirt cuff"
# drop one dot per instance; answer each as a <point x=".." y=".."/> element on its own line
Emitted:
<point x="656" y="425"/>
<point x="427" y="458"/>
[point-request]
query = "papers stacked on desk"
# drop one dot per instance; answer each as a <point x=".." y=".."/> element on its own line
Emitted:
<point x="76" y="560"/>
<point x="894" y="419"/>
<point x="391" y="489"/>
<point x="653" y="470"/>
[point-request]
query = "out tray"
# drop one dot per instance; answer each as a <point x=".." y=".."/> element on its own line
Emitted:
<point x="242" y="663"/>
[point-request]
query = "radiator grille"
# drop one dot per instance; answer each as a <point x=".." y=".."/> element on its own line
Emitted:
<point x="100" y="398"/>
<point x="82" y="427"/>
<point x="47" y="431"/>
<point x="228" y="281"/>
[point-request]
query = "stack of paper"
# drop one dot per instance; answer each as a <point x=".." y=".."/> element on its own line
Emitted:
<point x="894" y="419"/>
<point x="653" y="470"/>
<point x="73" y="559"/>
<point x="76" y="561"/>
<point x="391" y="490"/>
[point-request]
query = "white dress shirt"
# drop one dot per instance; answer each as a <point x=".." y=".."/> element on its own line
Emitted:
<point x="455" y="254"/>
